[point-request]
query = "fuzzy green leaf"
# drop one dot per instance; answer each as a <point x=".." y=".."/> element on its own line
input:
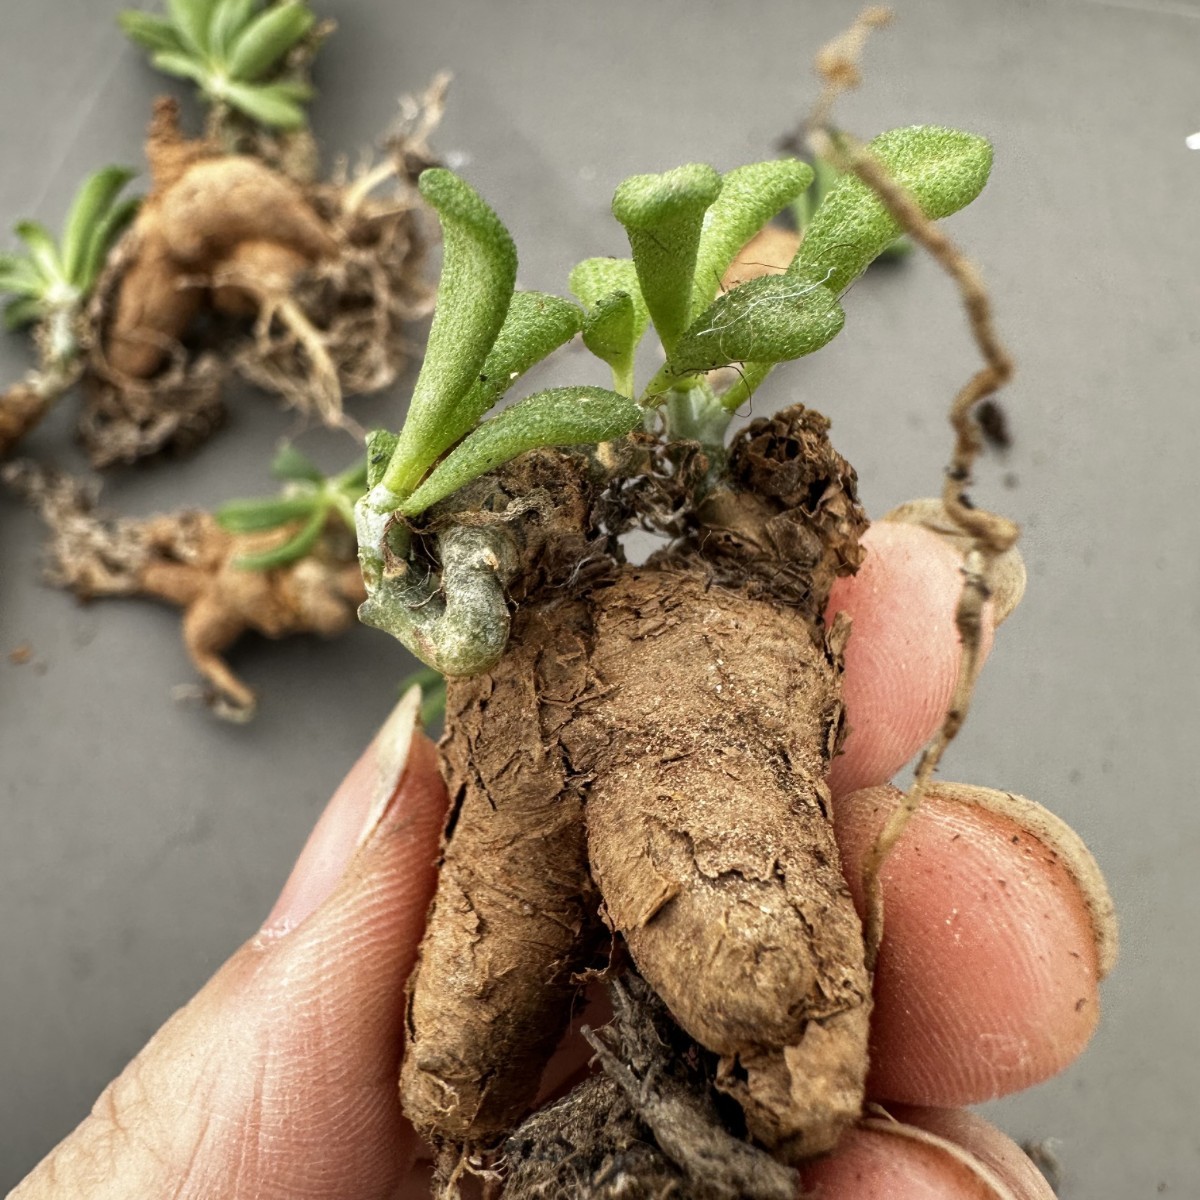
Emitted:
<point x="293" y="549"/>
<point x="535" y="326"/>
<point x="253" y="516"/>
<point x="750" y="375"/>
<point x="944" y="170"/>
<point x="750" y="197"/>
<point x="663" y="215"/>
<point x="268" y="38"/>
<point x="610" y="332"/>
<point x="479" y="269"/>
<point x="25" y="310"/>
<point x="770" y="320"/>
<point x="21" y="276"/>
<point x="597" y="277"/>
<point x="569" y="416"/>
<point x="180" y="64"/>
<point x="150" y="32"/>
<point x="292" y="464"/>
<point x="192" y="19"/>
<point x="596" y="281"/>
<point x="266" y="104"/>
<point x="228" y="21"/>
<point x="104" y="237"/>
<point x="42" y="249"/>
<point x="91" y="205"/>
<point x="381" y="447"/>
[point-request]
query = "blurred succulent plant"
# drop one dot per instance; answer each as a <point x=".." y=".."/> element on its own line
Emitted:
<point x="309" y="498"/>
<point x="50" y="282"/>
<point x="233" y="50"/>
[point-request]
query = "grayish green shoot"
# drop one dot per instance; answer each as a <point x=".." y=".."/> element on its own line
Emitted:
<point x="235" y="51"/>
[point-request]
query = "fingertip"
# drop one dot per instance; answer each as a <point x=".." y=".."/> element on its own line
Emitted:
<point x="904" y="651"/>
<point x="988" y="974"/>
<point x="925" y="1154"/>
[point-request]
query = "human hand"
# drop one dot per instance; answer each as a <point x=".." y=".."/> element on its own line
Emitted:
<point x="279" y="1078"/>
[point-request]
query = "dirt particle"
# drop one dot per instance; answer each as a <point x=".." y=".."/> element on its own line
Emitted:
<point x="20" y="655"/>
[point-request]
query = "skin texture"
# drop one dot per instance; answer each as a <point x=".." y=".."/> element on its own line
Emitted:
<point x="282" y="1070"/>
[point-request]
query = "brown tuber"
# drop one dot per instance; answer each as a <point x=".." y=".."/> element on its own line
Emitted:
<point x="685" y="713"/>
<point x="303" y="288"/>
<point x="188" y="560"/>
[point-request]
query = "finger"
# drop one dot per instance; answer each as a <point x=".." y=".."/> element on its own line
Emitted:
<point x="925" y="1154"/>
<point x="904" y="651"/>
<point x="279" y="1078"/>
<point x="997" y="930"/>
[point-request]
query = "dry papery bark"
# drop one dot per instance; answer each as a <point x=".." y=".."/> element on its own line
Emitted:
<point x="186" y="559"/>
<point x="233" y="267"/>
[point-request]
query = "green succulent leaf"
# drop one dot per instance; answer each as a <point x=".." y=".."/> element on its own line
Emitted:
<point x="290" y="551"/>
<point x="192" y="19"/>
<point x="19" y="275"/>
<point x="479" y="269"/>
<point x="42" y="249"/>
<point x="150" y="32"/>
<point x="594" y="278"/>
<point x="750" y="375"/>
<point x="292" y="464"/>
<point x="381" y="448"/>
<point x="228" y="21"/>
<point x="768" y="320"/>
<point x="536" y="324"/>
<point x="93" y="203"/>
<point x="254" y="516"/>
<point x="611" y="333"/>
<point x="569" y="416"/>
<point x="293" y="89"/>
<point x="597" y="281"/>
<point x="104" y="237"/>
<point x="663" y="215"/>
<point x="180" y="64"/>
<point x="750" y="197"/>
<point x="268" y="104"/>
<point x="25" y="310"/>
<point x="944" y="169"/>
<point x="267" y="38"/>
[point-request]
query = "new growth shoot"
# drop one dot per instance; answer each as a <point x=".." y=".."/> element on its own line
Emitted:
<point x="685" y="228"/>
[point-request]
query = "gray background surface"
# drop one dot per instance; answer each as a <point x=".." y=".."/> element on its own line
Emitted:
<point x="141" y="840"/>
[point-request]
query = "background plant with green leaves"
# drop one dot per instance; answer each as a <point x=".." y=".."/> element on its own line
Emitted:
<point x="685" y="227"/>
<point x="235" y="51"/>
<point x="308" y="501"/>
<point x="52" y="280"/>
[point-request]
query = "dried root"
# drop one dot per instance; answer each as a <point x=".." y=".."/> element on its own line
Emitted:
<point x="992" y="537"/>
<point x="313" y="284"/>
<point x="188" y="560"/>
<point x="647" y="1126"/>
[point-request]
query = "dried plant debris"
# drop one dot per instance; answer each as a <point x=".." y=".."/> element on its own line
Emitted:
<point x="649" y="1124"/>
<point x="187" y="559"/>
<point x="232" y="266"/>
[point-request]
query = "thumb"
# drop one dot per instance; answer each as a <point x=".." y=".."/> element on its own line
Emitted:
<point x="279" y="1078"/>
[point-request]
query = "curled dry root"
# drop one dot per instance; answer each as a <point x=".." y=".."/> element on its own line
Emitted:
<point x="188" y="560"/>
<point x="313" y="283"/>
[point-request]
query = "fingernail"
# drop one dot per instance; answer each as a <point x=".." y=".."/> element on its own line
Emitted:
<point x="351" y="817"/>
